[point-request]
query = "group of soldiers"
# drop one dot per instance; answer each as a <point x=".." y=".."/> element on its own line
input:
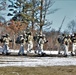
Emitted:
<point x="23" y="39"/>
<point x="27" y="38"/>
<point x="65" y="42"/>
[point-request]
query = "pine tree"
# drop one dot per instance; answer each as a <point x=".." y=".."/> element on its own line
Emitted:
<point x="32" y="12"/>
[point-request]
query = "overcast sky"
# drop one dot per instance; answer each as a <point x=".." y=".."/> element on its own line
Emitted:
<point x="66" y="8"/>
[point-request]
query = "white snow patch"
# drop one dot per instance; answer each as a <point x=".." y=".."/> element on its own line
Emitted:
<point x="36" y="61"/>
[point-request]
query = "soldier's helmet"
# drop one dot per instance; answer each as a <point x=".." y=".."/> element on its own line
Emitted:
<point x="66" y="36"/>
<point x="40" y="35"/>
<point x="63" y="34"/>
<point x="21" y="35"/>
<point x="29" y="33"/>
<point x="7" y="35"/>
<point x="72" y="35"/>
<point x="69" y="35"/>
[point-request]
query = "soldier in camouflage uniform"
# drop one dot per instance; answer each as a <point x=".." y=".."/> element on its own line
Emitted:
<point x="25" y="35"/>
<point x="67" y="41"/>
<point x="29" y="42"/>
<point x="65" y="46"/>
<point x="64" y="43"/>
<point x="73" y="44"/>
<point x="6" y="41"/>
<point x="22" y="43"/>
<point x="61" y="42"/>
<point x="41" y="42"/>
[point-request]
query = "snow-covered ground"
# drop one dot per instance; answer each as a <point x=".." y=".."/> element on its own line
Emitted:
<point x="36" y="61"/>
<point x="28" y="61"/>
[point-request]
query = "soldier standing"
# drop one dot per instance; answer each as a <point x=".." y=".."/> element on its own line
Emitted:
<point x="6" y="41"/>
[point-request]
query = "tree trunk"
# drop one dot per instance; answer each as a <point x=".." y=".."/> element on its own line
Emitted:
<point x="41" y="21"/>
<point x="33" y="1"/>
<point x="13" y="44"/>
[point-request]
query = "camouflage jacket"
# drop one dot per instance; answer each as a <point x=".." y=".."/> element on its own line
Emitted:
<point x="6" y="40"/>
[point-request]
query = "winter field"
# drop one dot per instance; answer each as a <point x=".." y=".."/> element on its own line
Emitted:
<point x="32" y="60"/>
<point x="52" y="64"/>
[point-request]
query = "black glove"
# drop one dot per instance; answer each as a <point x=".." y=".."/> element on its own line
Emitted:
<point x="11" y="41"/>
<point x="46" y="41"/>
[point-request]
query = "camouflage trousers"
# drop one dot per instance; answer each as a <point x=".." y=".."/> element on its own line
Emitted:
<point x="30" y="46"/>
<point x="74" y="48"/>
<point x="21" y="51"/>
<point x="40" y="49"/>
<point x="5" y="49"/>
<point x="64" y="48"/>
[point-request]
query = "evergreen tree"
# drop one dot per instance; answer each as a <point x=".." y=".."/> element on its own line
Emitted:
<point x="32" y="11"/>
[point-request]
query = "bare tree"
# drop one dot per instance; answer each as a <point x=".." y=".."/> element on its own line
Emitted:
<point x="3" y="5"/>
<point x="61" y="24"/>
<point x="72" y="26"/>
<point x="34" y="12"/>
<point x="45" y="4"/>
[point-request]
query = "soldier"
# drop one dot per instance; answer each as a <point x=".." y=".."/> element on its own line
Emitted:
<point x="64" y="43"/>
<point x="61" y="42"/>
<point x="29" y="41"/>
<point x="25" y="36"/>
<point x="41" y="42"/>
<point x="6" y="41"/>
<point x="73" y="45"/>
<point x="67" y="42"/>
<point x="22" y="43"/>
<point x="36" y="39"/>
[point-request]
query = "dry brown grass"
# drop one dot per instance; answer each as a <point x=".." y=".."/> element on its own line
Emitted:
<point x="67" y="70"/>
